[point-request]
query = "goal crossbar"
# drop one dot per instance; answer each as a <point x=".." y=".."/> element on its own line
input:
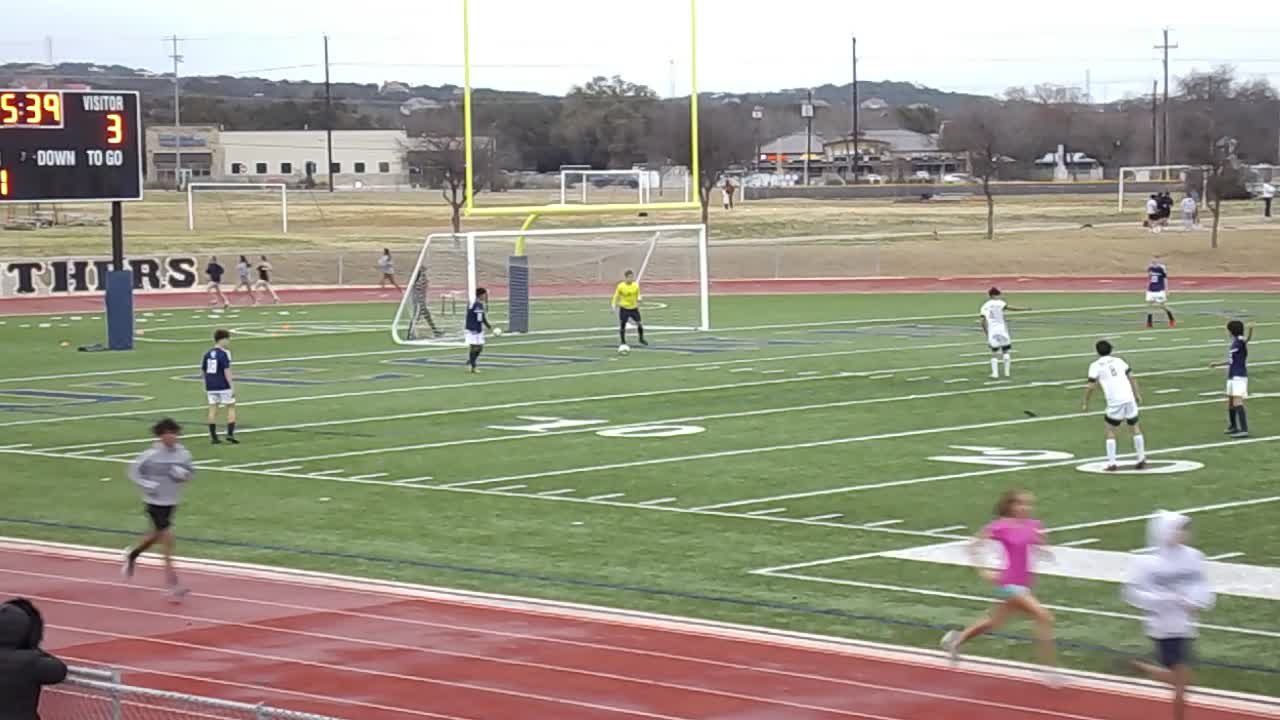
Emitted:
<point x="235" y="187"/>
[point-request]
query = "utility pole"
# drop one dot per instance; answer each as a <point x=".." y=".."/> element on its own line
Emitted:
<point x="177" y="114"/>
<point x="328" y="113"/>
<point x="1164" y="143"/>
<point x="1155" y="115"/>
<point x="853" y="97"/>
<point x="806" y="112"/>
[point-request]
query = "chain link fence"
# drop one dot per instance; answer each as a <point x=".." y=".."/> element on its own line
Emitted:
<point x="91" y="694"/>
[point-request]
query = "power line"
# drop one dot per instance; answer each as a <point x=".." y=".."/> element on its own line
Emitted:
<point x="177" y="110"/>
<point x="1165" y="47"/>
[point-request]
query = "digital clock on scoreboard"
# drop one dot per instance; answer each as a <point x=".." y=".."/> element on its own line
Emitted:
<point x="63" y="145"/>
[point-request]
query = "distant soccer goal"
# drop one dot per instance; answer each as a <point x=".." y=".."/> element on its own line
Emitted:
<point x="1155" y="174"/>
<point x="237" y="203"/>
<point x="585" y="178"/>
<point x="561" y="283"/>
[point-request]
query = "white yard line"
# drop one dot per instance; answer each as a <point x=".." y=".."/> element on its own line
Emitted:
<point x="606" y="496"/>
<point x="985" y="600"/>
<point x="981" y="473"/>
<point x="945" y="529"/>
<point x="1077" y="543"/>
<point x="648" y="505"/>
<point x="561" y="491"/>
<point x="510" y="488"/>
<point x="770" y="511"/>
<point x="657" y="501"/>
<point x="410" y="481"/>
<point x="1225" y="556"/>
<point x="694" y="418"/>
<point x="322" y="473"/>
<point x="740" y="452"/>
<point x="564" y="376"/>
<point x="370" y="476"/>
<point x="830" y="516"/>
<point x="883" y="523"/>
<point x="1184" y="511"/>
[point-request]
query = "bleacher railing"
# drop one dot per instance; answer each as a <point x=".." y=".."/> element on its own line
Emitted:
<point x="93" y="694"/>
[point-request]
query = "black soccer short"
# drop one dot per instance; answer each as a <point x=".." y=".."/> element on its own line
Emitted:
<point x="161" y="516"/>
<point x="625" y="314"/>
<point x="1172" y="652"/>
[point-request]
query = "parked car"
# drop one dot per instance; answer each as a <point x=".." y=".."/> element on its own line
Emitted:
<point x="959" y="179"/>
<point x="873" y="179"/>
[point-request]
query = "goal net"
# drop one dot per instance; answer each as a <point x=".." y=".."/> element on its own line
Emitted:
<point x="245" y="205"/>
<point x="559" y="281"/>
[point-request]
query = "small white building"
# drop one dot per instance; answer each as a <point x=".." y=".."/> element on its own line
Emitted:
<point x="361" y="158"/>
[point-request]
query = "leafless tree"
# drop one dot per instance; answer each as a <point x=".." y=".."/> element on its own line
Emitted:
<point x="992" y="136"/>
<point x="726" y="139"/>
<point x="437" y="149"/>
<point x="1221" y="123"/>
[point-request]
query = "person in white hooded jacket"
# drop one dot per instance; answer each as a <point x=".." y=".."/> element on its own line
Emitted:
<point x="1169" y="585"/>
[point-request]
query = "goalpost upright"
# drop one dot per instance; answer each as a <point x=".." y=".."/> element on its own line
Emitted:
<point x="238" y="187"/>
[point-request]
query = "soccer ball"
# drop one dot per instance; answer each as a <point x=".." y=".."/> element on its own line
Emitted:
<point x="497" y="331"/>
<point x="623" y="349"/>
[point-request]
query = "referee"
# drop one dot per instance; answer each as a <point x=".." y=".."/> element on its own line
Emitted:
<point x="161" y="471"/>
<point x="626" y="298"/>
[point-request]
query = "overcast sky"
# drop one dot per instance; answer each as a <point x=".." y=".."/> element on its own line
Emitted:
<point x="547" y="45"/>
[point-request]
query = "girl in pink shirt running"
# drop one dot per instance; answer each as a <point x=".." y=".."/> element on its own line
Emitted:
<point x="1019" y="534"/>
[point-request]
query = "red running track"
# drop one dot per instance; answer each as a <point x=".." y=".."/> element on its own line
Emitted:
<point x="376" y="651"/>
<point x="1029" y="283"/>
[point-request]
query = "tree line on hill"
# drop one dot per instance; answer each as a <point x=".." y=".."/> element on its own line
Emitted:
<point x="1217" y="122"/>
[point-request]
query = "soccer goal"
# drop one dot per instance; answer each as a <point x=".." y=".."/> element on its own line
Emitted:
<point x="1156" y="174"/>
<point x="555" y="281"/>
<point x="604" y="180"/>
<point x="238" y="203"/>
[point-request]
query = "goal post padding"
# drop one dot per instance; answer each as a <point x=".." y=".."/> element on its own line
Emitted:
<point x="562" y="283"/>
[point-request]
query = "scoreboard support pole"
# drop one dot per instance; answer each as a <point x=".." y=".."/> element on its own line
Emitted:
<point x="119" y="292"/>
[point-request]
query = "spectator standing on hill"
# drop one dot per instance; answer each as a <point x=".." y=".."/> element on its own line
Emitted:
<point x="1268" y="194"/>
<point x="24" y="668"/>
<point x="1153" y="214"/>
<point x="727" y="193"/>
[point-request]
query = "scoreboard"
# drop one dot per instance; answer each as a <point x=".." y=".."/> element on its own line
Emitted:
<point x="68" y="145"/>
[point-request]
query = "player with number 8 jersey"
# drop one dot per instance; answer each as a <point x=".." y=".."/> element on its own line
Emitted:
<point x="1122" y="395"/>
<point x="216" y="369"/>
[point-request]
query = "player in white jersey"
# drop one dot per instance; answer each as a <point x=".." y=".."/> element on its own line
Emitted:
<point x="998" y="337"/>
<point x="1121" y="391"/>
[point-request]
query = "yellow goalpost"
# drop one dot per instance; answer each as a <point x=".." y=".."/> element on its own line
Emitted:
<point x="532" y="212"/>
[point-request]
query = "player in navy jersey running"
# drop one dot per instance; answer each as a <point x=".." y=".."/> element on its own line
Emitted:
<point x="215" y="271"/>
<point x="1237" y="364"/>
<point x="216" y="368"/>
<point x="1158" y="290"/>
<point x="477" y="322"/>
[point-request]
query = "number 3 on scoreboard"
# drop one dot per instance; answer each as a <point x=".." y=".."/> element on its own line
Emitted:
<point x="115" y="129"/>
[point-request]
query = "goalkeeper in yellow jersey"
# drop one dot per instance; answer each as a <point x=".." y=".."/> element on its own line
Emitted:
<point x="626" y="299"/>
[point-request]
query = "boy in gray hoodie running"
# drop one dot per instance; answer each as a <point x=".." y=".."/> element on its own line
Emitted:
<point x="161" y="471"/>
<point x="1169" y="584"/>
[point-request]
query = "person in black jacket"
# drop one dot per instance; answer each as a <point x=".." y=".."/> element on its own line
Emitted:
<point x="24" y="667"/>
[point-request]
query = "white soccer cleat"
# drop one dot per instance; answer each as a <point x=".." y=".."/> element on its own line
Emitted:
<point x="623" y="349"/>
<point x="951" y="643"/>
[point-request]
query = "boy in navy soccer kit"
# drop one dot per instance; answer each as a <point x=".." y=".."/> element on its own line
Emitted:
<point x="477" y="322"/>
<point x="1237" y="364"/>
<point x="216" y="368"/>
<point x="1158" y="290"/>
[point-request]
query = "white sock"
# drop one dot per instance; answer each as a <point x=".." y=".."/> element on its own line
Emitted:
<point x="1111" y="451"/>
<point x="1140" y="447"/>
<point x="1008" y="364"/>
<point x="995" y="367"/>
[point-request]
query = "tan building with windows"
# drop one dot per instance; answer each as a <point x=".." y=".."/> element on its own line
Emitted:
<point x="361" y="158"/>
